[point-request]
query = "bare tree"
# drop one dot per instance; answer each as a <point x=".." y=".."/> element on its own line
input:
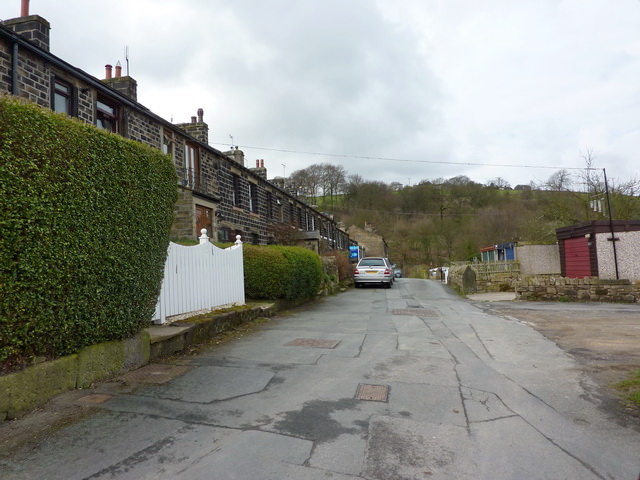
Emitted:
<point x="499" y="183"/>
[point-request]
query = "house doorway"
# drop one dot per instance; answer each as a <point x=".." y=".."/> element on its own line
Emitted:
<point x="204" y="219"/>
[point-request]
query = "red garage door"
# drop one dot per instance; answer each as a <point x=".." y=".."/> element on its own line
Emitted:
<point x="576" y="257"/>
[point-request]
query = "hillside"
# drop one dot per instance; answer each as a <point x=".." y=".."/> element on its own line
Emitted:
<point x="439" y="221"/>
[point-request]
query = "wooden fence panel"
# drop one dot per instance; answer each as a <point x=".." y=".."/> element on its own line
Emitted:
<point x="200" y="277"/>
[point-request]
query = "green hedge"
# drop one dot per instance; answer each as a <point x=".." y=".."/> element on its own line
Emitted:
<point x="281" y="272"/>
<point x="84" y="230"/>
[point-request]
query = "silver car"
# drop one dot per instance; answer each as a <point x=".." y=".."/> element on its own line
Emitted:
<point x="373" y="270"/>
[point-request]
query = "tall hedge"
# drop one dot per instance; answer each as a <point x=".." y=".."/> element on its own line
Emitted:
<point x="281" y="272"/>
<point x="84" y="231"/>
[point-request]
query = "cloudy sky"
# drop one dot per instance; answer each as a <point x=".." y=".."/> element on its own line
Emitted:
<point x="393" y="90"/>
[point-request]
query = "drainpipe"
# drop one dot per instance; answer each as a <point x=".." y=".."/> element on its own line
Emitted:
<point x="613" y="235"/>
<point x="14" y="69"/>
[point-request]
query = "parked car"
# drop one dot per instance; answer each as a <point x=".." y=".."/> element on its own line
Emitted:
<point x="373" y="270"/>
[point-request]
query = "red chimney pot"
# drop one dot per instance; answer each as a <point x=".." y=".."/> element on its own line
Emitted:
<point x="118" y="70"/>
<point x="24" y="8"/>
<point x="108" y="71"/>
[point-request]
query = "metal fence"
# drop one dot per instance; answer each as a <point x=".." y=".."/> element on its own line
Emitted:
<point x="200" y="277"/>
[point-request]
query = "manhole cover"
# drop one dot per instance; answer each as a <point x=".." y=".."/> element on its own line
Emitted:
<point x="155" y="373"/>
<point x="94" y="399"/>
<point x="372" y="393"/>
<point x="312" y="342"/>
<point x="415" y="312"/>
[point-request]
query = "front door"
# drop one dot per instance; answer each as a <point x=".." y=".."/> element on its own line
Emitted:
<point x="204" y="219"/>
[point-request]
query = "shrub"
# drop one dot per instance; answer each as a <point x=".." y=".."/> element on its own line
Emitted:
<point x="345" y="268"/>
<point x="281" y="272"/>
<point x="305" y="270"/>
<point x="265" y="272"/>
<point x="84" y="230"/>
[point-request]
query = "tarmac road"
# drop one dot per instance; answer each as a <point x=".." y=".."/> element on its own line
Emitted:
<point x="407" y="383"/>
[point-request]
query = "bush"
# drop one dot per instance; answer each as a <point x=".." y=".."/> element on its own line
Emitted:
<point x="345" y="268"/>
<point x="265" y="272"/>
<point x="281" y="272"/>
<point x="305" y="269"/>
<point x="83" y="233"/>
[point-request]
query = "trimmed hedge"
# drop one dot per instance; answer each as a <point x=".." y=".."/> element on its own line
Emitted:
<point x="84" y="231"/>
<point x="276" y="272"/>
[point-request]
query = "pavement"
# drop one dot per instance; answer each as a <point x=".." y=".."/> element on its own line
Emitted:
<point x="412" y="382"/>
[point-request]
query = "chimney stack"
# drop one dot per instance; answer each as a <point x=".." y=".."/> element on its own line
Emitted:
<point x="260" y="170"/>
<point x="197" y="128"/>
<point x="32" y="28"/>
<point x="125" y="85"/>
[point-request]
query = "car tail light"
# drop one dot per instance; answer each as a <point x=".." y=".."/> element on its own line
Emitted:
<point x="356" y="272"/>
<point x="387" y="272"/>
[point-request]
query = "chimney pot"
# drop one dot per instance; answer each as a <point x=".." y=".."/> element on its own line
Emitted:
<point x="108" y="71"/>
<point x="261" y="163"/>
<point x="24" y="8"/>
<point x="257" y="163"/>
<point x="193" y="119"/>
<point x="118" y="70"/>
<point x="200" y="115"/>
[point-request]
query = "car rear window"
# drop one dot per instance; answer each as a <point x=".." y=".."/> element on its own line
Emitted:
<point x="372" y="262"/>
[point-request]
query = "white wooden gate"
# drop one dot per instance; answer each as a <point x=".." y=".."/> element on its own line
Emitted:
<point x="201" y="277"/>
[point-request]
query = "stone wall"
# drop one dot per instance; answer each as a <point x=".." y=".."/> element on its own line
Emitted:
<point x="577" y="289"/>
<point x="471" y="278"/>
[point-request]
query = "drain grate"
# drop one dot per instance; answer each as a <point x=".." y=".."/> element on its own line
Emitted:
<point x="312" y="342"/>
<point x="372" y="393"/>
<point x="415" y="312"/>
<point x="155" y="373"/>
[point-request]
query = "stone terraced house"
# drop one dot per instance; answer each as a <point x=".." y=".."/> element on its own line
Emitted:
<point x="217" y="191"/>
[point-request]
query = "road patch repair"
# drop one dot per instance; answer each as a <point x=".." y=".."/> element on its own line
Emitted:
<point x="313" y="343"/>
<point x="415" y="312"/>
<point x="155" y="373"/>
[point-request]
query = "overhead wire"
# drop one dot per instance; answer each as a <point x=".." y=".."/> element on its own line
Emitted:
<point x="408" y="160"/>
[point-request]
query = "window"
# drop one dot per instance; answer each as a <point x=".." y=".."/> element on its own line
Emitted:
<point x="106" y="116"/>
<point x="224" y="235"/>
<point x="236" y="191"/>
<point x="168" y="143"/>
<point x="191" y="165"/>
<point x="62" y="98"/>
<point x="253" y="198"/>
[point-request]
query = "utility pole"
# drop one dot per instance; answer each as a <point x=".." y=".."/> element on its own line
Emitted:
<point x="613" y="238"/>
